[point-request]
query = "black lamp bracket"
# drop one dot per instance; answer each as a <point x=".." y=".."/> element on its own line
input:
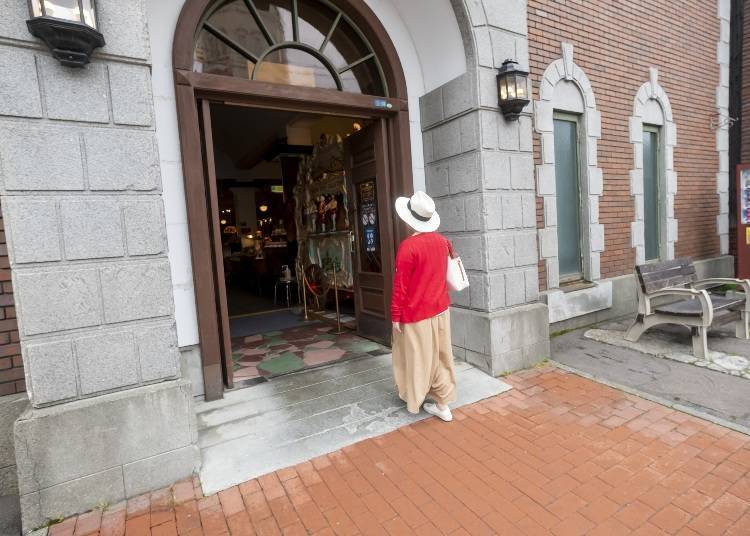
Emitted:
<point x="72" y="43"/>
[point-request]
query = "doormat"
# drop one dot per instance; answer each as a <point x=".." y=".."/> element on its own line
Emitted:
<point x="246" y="325"/>
<point x="275" y="353"/>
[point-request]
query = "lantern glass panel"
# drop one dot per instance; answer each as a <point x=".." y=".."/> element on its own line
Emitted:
<point x="503" y="83"/>
<point x="521" y="86"/>
<point x="70" y="10"/>
<point x="89" y="16"/>
<point x="63" y="9"/>
<point x="511" y="86"/>
<point x="36" y="8"/>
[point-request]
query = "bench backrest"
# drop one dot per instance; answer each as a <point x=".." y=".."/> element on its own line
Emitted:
<point x="655" y="276"/>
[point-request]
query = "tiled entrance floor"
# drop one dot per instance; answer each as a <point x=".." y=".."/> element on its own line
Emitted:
<point x="297" y="348"/>
<point x="558" y="455"/>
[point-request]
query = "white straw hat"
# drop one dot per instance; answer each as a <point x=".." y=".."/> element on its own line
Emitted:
<point x="418" y="212"/>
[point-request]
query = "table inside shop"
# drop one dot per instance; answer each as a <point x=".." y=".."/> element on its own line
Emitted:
<point x="258" y="275"/>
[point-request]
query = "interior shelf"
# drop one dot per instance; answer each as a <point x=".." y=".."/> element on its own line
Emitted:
<point x="332" y="233"/>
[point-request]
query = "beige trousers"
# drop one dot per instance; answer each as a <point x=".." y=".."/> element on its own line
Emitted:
<point x="423" y="362"/>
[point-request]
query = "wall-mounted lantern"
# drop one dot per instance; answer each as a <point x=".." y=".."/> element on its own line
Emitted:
<point x="68" y="27"/>
<point x="512" y="92"/>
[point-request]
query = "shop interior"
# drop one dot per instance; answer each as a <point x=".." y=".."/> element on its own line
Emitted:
<point x="286" y="239"/>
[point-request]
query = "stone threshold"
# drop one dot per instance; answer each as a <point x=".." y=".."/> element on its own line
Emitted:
<point x="291" y="419"/>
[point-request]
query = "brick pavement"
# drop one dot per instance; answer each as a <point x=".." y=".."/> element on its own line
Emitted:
<point x="557" y="455"/>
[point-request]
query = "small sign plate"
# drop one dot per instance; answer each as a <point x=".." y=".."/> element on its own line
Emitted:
<point x="382" y="103"/>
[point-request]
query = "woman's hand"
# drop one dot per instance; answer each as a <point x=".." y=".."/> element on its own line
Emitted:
<point x="397" y="327"/>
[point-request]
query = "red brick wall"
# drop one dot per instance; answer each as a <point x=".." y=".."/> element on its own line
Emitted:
<point x="11" y="366"/>
<point x="615" y="42"/>
<point x="745" y="92"/>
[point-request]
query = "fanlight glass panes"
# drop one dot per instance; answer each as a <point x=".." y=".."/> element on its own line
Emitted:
<point x="297" y="42"/>
<point x="296" y="68"/>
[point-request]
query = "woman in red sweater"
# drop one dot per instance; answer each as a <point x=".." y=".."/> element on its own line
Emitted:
<point x="422" y="351"/>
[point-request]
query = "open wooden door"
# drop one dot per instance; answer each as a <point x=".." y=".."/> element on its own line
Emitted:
<point x="217" y="257"/>
<point x="366" y="163"/>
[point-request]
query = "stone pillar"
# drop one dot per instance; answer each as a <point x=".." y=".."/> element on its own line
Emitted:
<point x="11" y="406"/>
<point x="81" y="196"/>
<point x="480" y="169"/>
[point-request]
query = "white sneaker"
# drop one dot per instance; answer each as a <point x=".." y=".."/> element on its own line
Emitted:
<point x="444" y="414"/>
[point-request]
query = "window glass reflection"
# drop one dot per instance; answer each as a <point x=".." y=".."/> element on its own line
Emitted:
<point x="235" y="38"/>
<point x="296" y="68"/>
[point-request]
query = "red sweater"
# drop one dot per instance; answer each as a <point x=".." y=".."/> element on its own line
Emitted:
<point x="420" y="290"/>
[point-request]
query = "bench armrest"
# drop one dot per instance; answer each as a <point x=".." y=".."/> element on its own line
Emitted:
<point x="716" y="281"/>
<point x="707" y="309"/>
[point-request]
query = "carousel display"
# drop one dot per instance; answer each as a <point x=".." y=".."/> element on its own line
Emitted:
<point x="322" y="215"/>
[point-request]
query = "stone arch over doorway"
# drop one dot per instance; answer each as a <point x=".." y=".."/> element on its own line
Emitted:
<point x="193" y="88"/>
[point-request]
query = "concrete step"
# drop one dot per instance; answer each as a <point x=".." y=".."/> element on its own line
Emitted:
<point x="293" y="397"/>
<point x="291" y="382"/>
<point x="294" y="418"/>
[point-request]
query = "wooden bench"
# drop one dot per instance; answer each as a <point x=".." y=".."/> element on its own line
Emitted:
<point x="689" y="302"/>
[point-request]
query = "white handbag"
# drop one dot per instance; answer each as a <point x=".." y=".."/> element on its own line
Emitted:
<point x="456" y="275"/>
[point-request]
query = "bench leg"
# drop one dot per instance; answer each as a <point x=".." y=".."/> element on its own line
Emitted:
<point x="635" y="331"/>
<point x="700" y="342"/>
<point x="742" y="327"/>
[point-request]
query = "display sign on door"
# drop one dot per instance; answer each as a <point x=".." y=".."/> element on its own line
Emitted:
<point x="368" y="212"/>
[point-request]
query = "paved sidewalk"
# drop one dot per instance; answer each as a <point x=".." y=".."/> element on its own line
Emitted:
<point x="559" y="454"/>
<point x="698" y="389"/>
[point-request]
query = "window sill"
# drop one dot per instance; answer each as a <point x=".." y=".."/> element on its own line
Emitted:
<point x="578" y="284"/>
<point x="577" y="299"/>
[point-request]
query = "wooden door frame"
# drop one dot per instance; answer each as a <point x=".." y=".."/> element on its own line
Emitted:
<point x="212" y="202"/>
<point x="191" y="88"/>
<point x="382" y="165"/>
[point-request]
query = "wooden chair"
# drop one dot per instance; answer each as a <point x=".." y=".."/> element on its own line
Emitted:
<point x="694" y="306"/>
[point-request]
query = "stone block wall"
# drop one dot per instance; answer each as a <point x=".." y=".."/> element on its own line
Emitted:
<point x="106" y="449"/>
<point x="11" y="406"/>
<point x="81" y="196"/>
<point x="11" y="364"/>
<point x="479" y="169"/>
<point x="682" y="40"/>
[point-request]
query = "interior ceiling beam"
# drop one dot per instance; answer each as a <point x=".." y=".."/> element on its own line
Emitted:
<point x="253" y="183"/>
<point x="255" y="154"/>
<point x="282" y="149"/>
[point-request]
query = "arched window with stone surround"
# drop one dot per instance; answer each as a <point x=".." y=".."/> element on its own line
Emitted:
<point x="653" y="180"/>
<point x="568" y="178"/>
<point x="310" y="43"/>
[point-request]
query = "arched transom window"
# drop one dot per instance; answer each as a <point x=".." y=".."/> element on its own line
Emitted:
<point x="308" y="43"/>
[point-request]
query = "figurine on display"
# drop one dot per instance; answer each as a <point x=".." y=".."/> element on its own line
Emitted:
<point x="322" y="214"/>
<point x="331" y="210"/>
